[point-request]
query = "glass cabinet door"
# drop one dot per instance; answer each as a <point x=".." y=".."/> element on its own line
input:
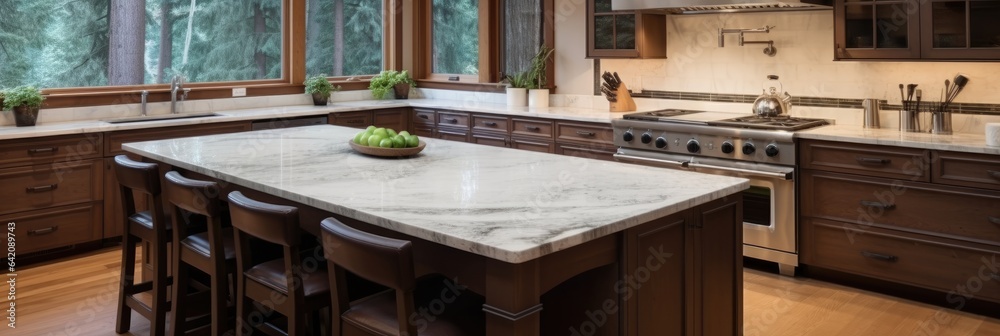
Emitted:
<point x="610" y="33"/>
<point x="961" y="29"/>
<point x="872" y="29"/>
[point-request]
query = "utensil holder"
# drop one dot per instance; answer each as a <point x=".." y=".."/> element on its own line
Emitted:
<point x="941" y="122"/>
<point x="871" y="111"/>
<point x="909" y="120"/>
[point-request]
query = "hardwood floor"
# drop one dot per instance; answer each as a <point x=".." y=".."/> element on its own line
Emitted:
<point x="77" y="297"/>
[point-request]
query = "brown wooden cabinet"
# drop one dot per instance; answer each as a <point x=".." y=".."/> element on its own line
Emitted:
<point x="909" y="29"/>
<point x="931" y="226"/>
<point x="624" y="34"/>
<point x="394" y="118"/>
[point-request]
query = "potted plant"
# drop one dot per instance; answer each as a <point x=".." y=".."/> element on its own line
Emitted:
<point x="24" y="101"/>
<point x="538" y="92"/>
<point x="517" y="89"/>
<point x="320" y="88"/>
<point x="398" y="81"/>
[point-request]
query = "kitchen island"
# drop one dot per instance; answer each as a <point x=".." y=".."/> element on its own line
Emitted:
<point x="604" y="248"/>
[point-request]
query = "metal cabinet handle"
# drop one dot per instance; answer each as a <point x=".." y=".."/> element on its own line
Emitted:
<point x="881" y="205"/>
<point x="44" y="231"/>
<point x="453" y="121"/>
<point x="491" y="124"/>
<point x="873" y="161"/>
<point x="994" y="174"/>
<point x="422" y="116"/>
<point x="995" y="276"/>
<point x="882" y="257"/>
<point x="355" y="122"/>
<point x="34" y="151"/>
<point x="586" y="134"/>
<point x="42" y="188"/>
<point x="994" y="220"/>
<point x="533" y="128"/>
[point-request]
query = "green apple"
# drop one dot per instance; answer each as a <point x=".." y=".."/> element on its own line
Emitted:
<point x="381" y="132"/>
<point x="357" y="138"/>
<point x="391" y="132"/>
<point x="371" y="128"/>
<point x="398" y="141"/>
<point x="385" y="143"/>
<point x="404" y="133"/>
<point x="412" y="141"/>
<point x="374" y="140"/>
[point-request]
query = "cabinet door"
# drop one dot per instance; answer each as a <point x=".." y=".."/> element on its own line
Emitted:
<point x="865" y="29"/>
<point x="610" y="34"/>
<point x="396" y="119"/>
<point x="657" y="253"/>
<point x="960" y="29"/>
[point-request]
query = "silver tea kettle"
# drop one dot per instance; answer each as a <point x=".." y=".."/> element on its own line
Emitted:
<point x="772" y="103"/>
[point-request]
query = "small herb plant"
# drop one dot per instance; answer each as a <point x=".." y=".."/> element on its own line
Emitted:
<point x="22" y="96"/>
<point x="536" y="74"/>
<point x="320" y="85"/>
<point x="382" y="84"/>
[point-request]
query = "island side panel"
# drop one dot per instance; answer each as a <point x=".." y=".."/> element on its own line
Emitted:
<point x="721" y="260"/>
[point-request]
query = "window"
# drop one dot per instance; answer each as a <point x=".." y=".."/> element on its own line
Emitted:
<point x="344" y="37"/>
<point x="522" y="34"/>
<point x="90" y="43"/>
<point x="455" y="37"/>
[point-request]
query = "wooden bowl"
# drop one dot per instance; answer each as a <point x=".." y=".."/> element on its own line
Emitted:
<point x="387" y="152"/>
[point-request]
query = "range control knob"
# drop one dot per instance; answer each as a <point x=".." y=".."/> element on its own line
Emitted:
<point x="647" y="138"/>
<point x="728" y="148"/>
<point x="628" y="136"/>
<point x="661" y="143"/>
<point x="749" y="149"/>
<point x="693" y="146"/>
<point x="771" y="150"/>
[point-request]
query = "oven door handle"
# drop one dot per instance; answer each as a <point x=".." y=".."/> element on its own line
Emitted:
<point x="784" y="176"/>
<point x="639" y="159"/>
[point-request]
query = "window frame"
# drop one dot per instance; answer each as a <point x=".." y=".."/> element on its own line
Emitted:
<point x="293" y="68"/>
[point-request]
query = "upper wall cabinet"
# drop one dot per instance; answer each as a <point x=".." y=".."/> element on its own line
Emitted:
<point x="624" y="34"/>
<point x="917" y="29"/>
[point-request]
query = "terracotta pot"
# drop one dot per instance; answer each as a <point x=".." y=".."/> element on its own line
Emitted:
<point x="25" y="116"/>
<point x="402" y="90"/>
<point x="320" y="99"/>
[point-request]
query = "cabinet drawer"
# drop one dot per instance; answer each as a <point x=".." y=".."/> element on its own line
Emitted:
<point x="423" y="117"/>
<point x="42" y="186"/>
<point x="453" y="119"/>
<point x="22" y="152"/>
<point x="531" y="127"/>
<point x="490" y="123"/>
<point x="452" y="134"/>
<point x="390" y="118"/>
<point x="116" y="139"/>
<point x="893" y="162"/>
<point x="591" y="152"/>
<point x="910" y="259"/>
<point x="351" y="119"/>
<point x="56" y="227"/>
<point x="958" y="213"/>
<point x="540" y="146"/>
<point x="584" y="133"/>
<point x="423" y="132"/>
<point x="969" y="170"/>
<point x="490" y="140"/>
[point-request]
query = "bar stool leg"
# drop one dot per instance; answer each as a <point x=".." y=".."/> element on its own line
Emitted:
<point x="177" y="317"/>
<point x="127" y="281"/>
<point x="220" y="310"/>
<point x="160" y="282"/>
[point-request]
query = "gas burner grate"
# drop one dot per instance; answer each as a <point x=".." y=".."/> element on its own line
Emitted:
<point x="658" y="115"/>
<point x="780" y="123"/>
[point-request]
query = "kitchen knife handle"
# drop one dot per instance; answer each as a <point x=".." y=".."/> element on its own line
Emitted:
<point x="879" y="256"/>
<point x="873" y="161"/>
<point x="994" y="220"/>
<point x="34" y="151"/>
<point x="44" y="231"/>
<point x="533" y="128"/>
<point x="880" y="205"/>
<point x="994" y="174"/>
<point x="490" y="123"/>
<point x="42" y="188"/>
<point x="586" y="134"/>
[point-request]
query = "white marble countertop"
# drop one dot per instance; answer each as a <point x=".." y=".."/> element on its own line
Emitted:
<point x="94" y="126"/>
<point x="958" y="142"/>
<point x="506" y="204"/>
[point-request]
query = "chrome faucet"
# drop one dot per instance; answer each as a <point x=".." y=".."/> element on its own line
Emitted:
<point x="177" y="84"/>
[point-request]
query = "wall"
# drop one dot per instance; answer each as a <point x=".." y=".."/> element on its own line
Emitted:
<point x="804" y="62"/>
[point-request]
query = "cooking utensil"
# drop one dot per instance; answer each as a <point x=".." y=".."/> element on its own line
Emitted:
<point x="902" y="97"/>
<point x="771" y="102"/>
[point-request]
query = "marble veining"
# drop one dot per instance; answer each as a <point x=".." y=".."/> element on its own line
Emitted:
<point x="959" y="142"/>
<point x="506" y="204"/>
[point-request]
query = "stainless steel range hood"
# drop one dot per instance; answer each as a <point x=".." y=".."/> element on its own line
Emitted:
<point x="721" y="6"/>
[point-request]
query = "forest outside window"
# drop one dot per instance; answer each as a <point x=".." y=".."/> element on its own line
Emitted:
<point x="455" y="37"/>
<point x="94" y="43"/>
<point x="344" y="37"/>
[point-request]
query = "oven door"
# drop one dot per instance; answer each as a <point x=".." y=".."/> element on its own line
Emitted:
<point x="768" y="206"/>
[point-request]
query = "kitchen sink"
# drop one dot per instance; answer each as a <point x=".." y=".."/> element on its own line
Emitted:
<point x="160" y="117"/>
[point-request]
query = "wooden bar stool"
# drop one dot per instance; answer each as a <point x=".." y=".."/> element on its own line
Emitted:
<point x="152" y="226"/>
<point x="389" y="262"/>
<point x="283" y="284"/>
<point x="211" y="252"/>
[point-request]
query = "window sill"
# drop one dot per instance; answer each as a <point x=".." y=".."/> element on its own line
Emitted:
<point x="460" y="86"/>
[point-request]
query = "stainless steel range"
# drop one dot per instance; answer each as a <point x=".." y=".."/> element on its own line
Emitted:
<point x="758" y="148"/>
